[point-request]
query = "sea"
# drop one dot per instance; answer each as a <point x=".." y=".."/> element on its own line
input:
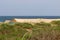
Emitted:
<point x="3" y="18"/>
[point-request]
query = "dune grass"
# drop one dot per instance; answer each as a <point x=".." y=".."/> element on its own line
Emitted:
<point x="27" y="31"/>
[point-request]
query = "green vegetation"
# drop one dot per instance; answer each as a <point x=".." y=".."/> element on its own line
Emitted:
<point x="27" y="31"/>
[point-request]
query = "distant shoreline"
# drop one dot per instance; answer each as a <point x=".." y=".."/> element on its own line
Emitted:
<point x="3" y="18"/>
<point x="38" y="20"/>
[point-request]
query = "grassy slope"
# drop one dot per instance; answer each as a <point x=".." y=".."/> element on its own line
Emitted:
<point x="26" y="31"/>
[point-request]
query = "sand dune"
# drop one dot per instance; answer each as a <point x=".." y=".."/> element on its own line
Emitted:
<point x="35" y="20"/>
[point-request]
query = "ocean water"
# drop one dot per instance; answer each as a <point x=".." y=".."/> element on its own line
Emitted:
<point x="3" y="18"/>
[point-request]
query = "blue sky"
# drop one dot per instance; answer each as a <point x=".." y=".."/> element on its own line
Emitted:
<point x="29" y="7"/>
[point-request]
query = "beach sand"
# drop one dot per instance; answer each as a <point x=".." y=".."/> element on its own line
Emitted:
<point x="35" y="20"/>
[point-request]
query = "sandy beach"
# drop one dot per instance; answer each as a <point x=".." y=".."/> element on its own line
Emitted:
<point x="35" y="20"/>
